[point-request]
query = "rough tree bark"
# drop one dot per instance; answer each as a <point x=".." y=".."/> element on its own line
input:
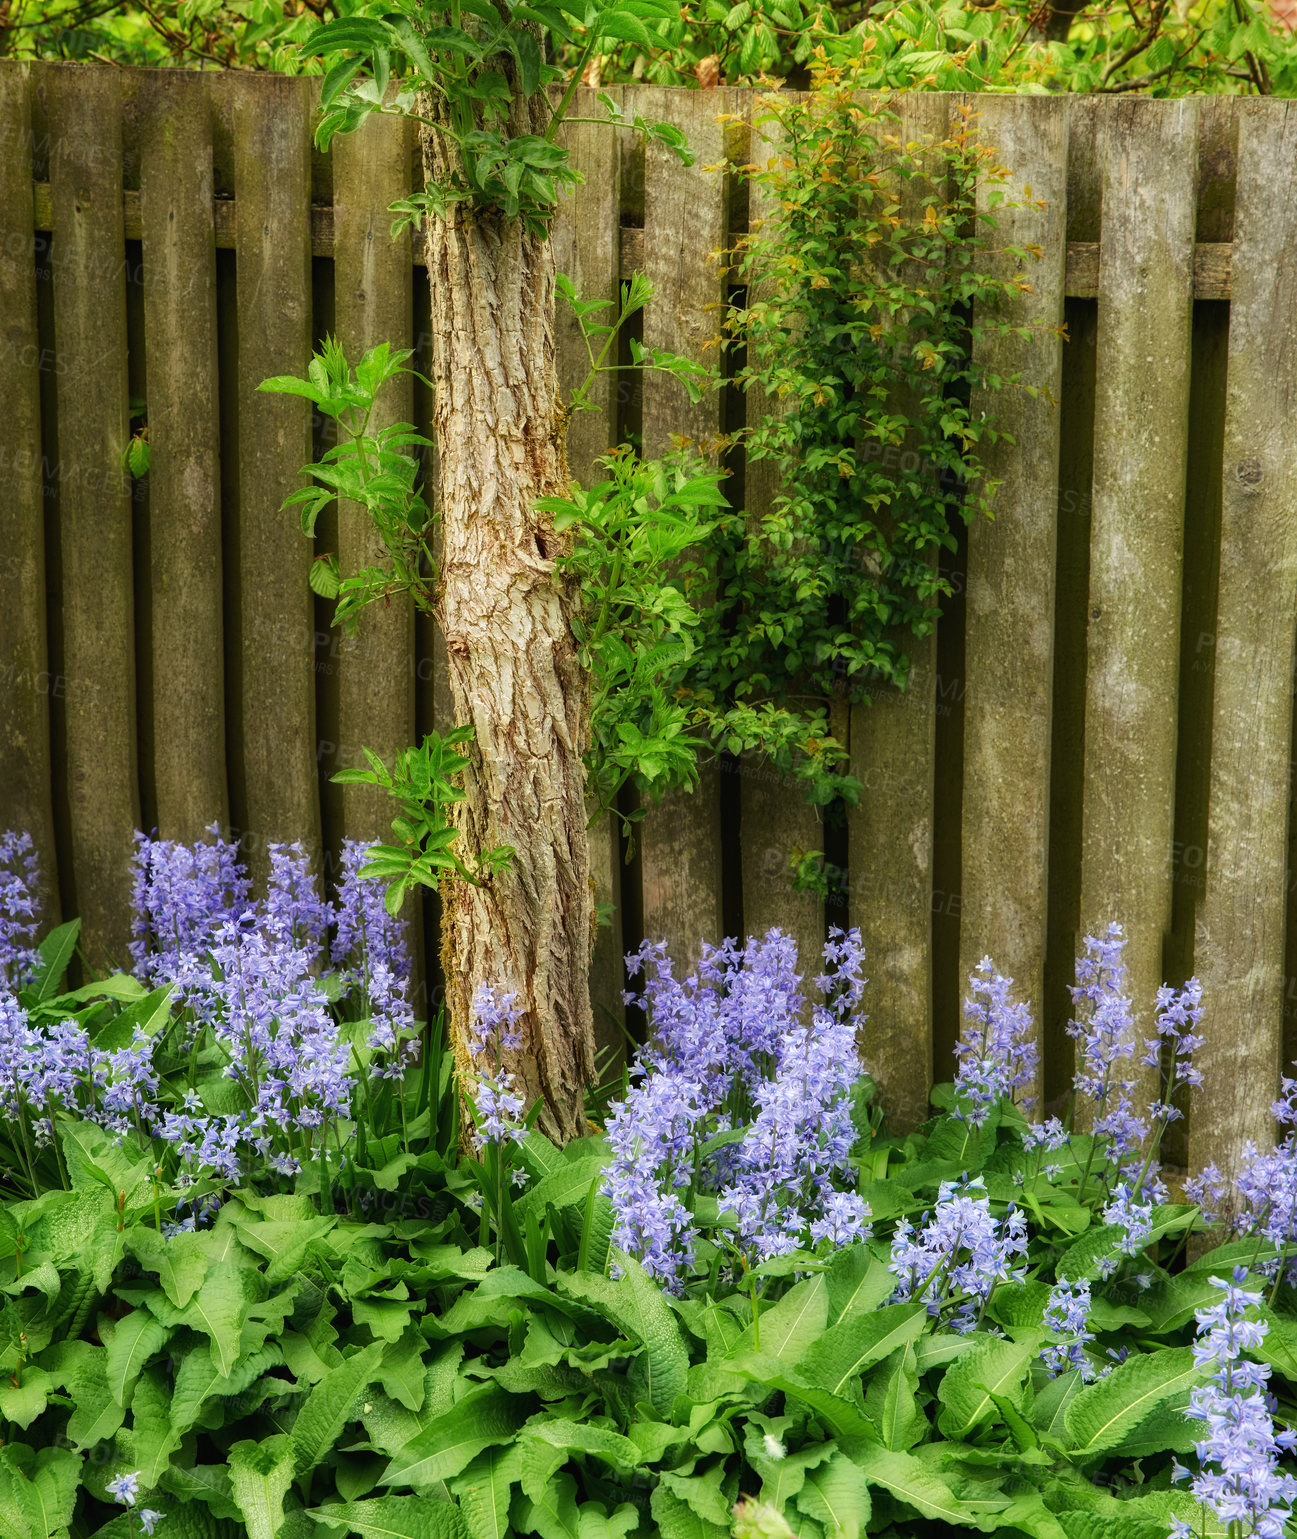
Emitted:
<point x="505" y="614"/>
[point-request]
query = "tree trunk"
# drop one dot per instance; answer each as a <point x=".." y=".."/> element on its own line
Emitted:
<point x="514" y="673"/>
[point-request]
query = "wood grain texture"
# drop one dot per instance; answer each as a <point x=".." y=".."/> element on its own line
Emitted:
<point x="684" y="221"/>
<point x="26" y="772"/>
<point x="179" y="248"/>
<point x="1239" y="943"/>
<point x="889" y="834"/>
<point x="88" y="263"/>
<point x="1147" y="152"/>
<point x="587" y="250"/>
<point x="275" y="748"/>
<point x="774" y="818"/>
<point x="1009" y="645"/>
<point x="373" y="302"/>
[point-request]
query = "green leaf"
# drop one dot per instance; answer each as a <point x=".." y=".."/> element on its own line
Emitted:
<point x="55" y="953"/>
<point x="843" y="1353"/>
<point x="450" y="1442"/>
<point x="676" y="1519"/>
<point x="1102" y="1414"/>
<point x="664" y="1363"/>
<point x="328" y="1407"/>
<point x="395" y="1517"/>
<point x="836" y="1494"/>
<point x="891" y="1403"/>
<point x="128" y="1345"/>
<point x="790" y="1327"/>
<point x="260" y="1475"/>
<point x="968" y="1389"/>
<point x="915" y="1485"/>
<point x="484" y="1490"/>
<point x="562" y="1188"/>
<point x="180" y="1263"/>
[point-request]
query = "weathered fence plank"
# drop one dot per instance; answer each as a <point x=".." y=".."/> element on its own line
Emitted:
<point x="1239" y="946"/>
<point x="889" y="833"/>
<point x="372" y="299"/>
<point x="88" y="262"/>
<point x="1009" y="647"/>
<point x="587" y="250"/>
<point x="1147" y="151"/>
<point x="179" y="247"/>
<point x="26" y="771"/>
<point x="275" y="748"/>
<point x="684" y="221"/>
<point x="774" y="817"/>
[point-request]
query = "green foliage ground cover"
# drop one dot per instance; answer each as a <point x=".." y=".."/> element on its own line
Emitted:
<point x="418" y="1339"/>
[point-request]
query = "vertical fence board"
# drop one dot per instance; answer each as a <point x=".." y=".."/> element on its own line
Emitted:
<point x="684" y="222"/>
<point x="774" y="817"/>
<point x="88" y="261"/>
<point x="1240" y="932"/>
<point x="26" y="771"/>
<point x="372" y="304"/>
<point x="1010" y="593"/>
<point x="889" y="834"/>
<point x="1147" y="150"/>
<point x="276" y="743"/>
<point x="586" y="239"/>
<point x="179" y="246"/>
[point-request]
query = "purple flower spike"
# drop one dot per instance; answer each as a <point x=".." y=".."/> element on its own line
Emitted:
<point x="19" y="918"/>
<point x="997" y="1052"/>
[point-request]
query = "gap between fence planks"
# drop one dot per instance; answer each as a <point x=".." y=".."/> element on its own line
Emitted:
<point x="1136" y="541"/>
<point x="1009" y="660"/>
<point x="684" y="221"/>
<point x="179" y="253"/>
<point x="94" y="506"/>
<point x="1239" y="948"/>
<point x="279" y="796"/>
<point x="26" y="683"/>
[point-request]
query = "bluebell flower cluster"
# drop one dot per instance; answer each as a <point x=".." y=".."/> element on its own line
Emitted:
<point x="246" y="975"/>
<point x="953" y="1259"/>
<point x="1067" y="1316"/>
<point x="744" y="1091"/>
<point x="370" y="951"/>
<point x="182" y="895"/>
<point x="19" y="916"/>
<point x="1239" y="1478"/>
<point x="493" y="1028"/>
<point x="996" y="1055"/>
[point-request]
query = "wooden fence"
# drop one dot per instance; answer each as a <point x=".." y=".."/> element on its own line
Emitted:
<point x="1101" y="727"/>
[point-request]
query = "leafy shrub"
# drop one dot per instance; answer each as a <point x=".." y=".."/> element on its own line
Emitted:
<point x="416" y="1340"/>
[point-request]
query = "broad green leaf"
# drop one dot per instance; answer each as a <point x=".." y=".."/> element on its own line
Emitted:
<point x="583" y="1437"/>
<point x="836" y="1494"/>
<point x="219" y="1311"/>
<point x="1103" y="1414"/>
<point x="635" y="1304"/>
<point x="451" y="1441"/>
<point x="857" y="1281"/>
<point x="676" y="1519"/>
<point x="969" y="1387"/>
<point x="912" y="1483"/>
<point x="703" y="1492"/>
<point x="260" y="1475"/>
<point x="128" y="1345"/>
<point x="55" y="953"/>
<point x="554" y="1514"/>
<point x="890" y="1400"/>
<point x="790" y="1327"/>
<point x="563" y="1188"/>
<point x="180" y="1263"/>
<point x="328" y="1407"/>
<point x="484" y="1490"/>
<point x="199" y="1380"/>
<point x="839" y="1358"/>
<point x="395" y="1517"/>
<point x="153" y="1436"/>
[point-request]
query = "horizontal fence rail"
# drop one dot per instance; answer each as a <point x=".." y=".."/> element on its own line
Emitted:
<point x="1101" y="727"/>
